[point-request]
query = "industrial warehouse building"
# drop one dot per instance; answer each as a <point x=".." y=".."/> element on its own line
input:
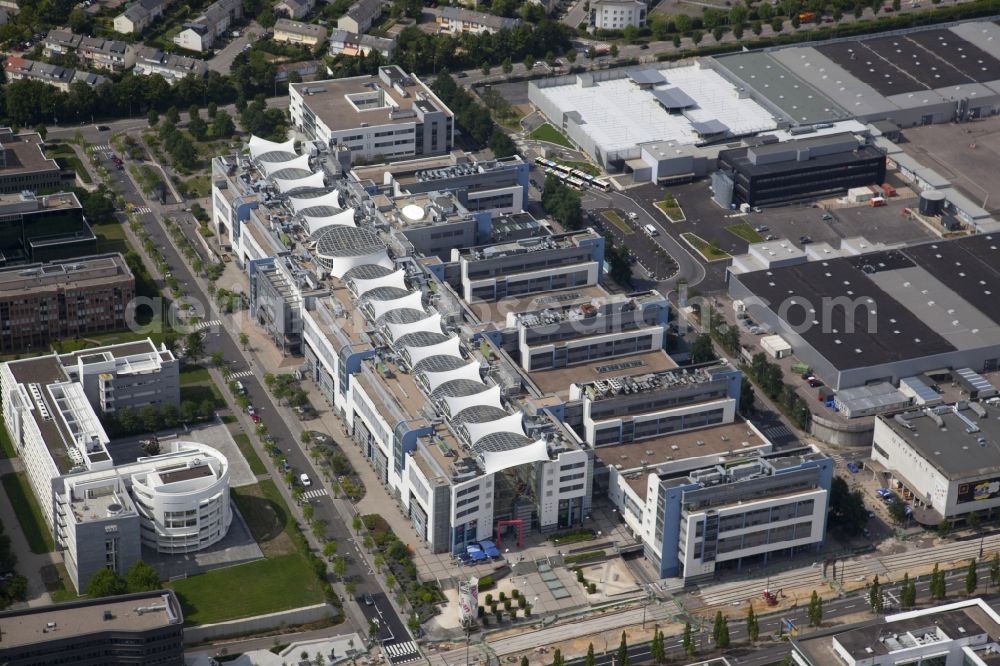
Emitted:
<point x="882" y="315"/>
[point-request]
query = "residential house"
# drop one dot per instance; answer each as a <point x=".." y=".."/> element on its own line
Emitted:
<point x="343" y="42"/>
<point x="139" y="16"/>
<point x="170" y="66"/>
<point x="297" y="32"/>
<point x="19" y="69"/>
<point x="294" y="9"/>
<point x="617" y="14"/>
<point x="92" y="52"/>
<point x="307" y="70"/>
<point x="200" y="34"/>
<point x="456" y="20"/>
<point x="360" y="16"/>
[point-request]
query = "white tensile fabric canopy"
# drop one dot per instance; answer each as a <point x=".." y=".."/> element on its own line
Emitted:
<point x="331" y="198"/>
<point x="488" y="397"/>
<point x="343" y="218"/>
<point x="449" y="347"/>
<point x="363" y="285"/>
<point x="412" y="301"/>
<point x="495" y="462"/>
<point x="468" y="371"/>
<point x="513" y="423"/>
<point x="340" y="265"/>
<point x="259" y="146"/>
<point x="430" y="324"/>
<point x="300" y="162"/>
<point x="313" y="180"/>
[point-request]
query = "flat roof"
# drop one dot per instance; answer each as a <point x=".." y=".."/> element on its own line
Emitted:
<point x="950" y="448"/>
<point x="807" y="286"/>
<point x="961" y="54"/>
<point x="45" y="370"/>
<point x="23" y="153"/>
<point x="496" y="311"/>
<point x="770" y="79"/>
<point x="740" y="157"/>
<point x="558" y="380"/>
<point x="328" y="100"/>
<point x="618" y="114"/>
<point x="90" y="271"/>
<point x="134" y="612"/>
<point x="968" y="266"/>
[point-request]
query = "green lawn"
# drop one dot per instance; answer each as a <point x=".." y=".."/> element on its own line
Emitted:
<point x="57" y="583"/>
<point x="746" y="232"/>
<point x="111" y="238"/>
<point x="29" y="514"/>
<point x="198" y="393"/>
<point x="256" y="588"/>
<point x="705" y="249"/>
<point x="6" y="446"/>
<point x="194" y="374"/>
<point x="670" y="208"/>
<point x="550" y="134"/>
<point x="102" y="339"/>
<point x="266" y="514"/>
<point x="73" y="162"/>
<point x="246" y="448"/>
<point x="616" y="219"/>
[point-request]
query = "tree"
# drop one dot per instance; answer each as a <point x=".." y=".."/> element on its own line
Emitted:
<point x="106" y="583"/>
<point x="194" y="344"/>
<point x="244" y="340"/>
<point x="152" y="117"/>
<point x="757" y="27"/>
<point x="524" y="659"/>
<point x="571" y="56"/>
<point x="169" y="415"/>
<point x="847" y="509"/>
<point x="753" y="627"/>
<point x="613" y="51"/>
<point x="329" y="549"/>
<point x="223" y="125"/>
<point x="149" y="416"/>
<point x="938" y="589"/>
<point x="357" y="523"/>
<point x="587" y="660"/>
<point x="971" y="579"/>
<point x="206" y="410"/>
<point x="815" y="611"/>
<point x="218" y="358"/>
<point x="701" y="349"/>
<point x="777" y="23"/>
<point x="972" y="520"/>
<point x="688" y="640"/>
<point x="995" y="569"/>
<point x="696" y="37"/>
<point x="875" y="598"/>
<point x="656" y="649"/>
<point x="501" y="144"/>
<point x="905" y="601"/>
<point x="747" y="398"/>
<point x="944" y="527"/>
<point x="141" y="577"/>
<point x="717" y="627"/>
<point x="507" y="66"/>
<point x="723" y="641"/>
<point x="529" y="62"/>
<point x="198" y="128"/>
<point x="339" y="566"/>
<point x="557" y="658"/>
<point x="623" y="651"/>
<point x="188" y="413"/>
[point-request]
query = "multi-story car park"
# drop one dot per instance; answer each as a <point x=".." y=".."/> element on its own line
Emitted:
<point x="466" y="375"/>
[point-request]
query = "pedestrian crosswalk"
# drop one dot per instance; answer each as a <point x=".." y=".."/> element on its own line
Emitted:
<point x="400" y="653"/>
<point x="241" y="374"/>
<point x="201" y="325"/>
<point x="143" y="210"/>
<point x="313" y="494"/>
<point x="104" y="148"/>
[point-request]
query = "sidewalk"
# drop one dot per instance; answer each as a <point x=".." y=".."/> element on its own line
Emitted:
<point x="29" y="564"/>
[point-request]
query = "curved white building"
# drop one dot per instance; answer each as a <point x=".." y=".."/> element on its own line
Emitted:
<point x="183" y="498"/>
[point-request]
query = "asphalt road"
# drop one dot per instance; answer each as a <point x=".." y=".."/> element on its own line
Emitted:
<point x="337" y="513"/>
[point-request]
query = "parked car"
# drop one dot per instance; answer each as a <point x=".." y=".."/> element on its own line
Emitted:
<point x="285" y="467"/>
<point x="761" y="228"/>
<point x="251" y="412"/>
<point x="852" y="468"/>
<point x="826" y="217"/>
<point x="103" y="128"/>
<point x="305" y="480"/>
<point x="368" y="600"/>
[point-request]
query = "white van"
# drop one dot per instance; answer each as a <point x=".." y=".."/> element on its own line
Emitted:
<point x="651" y="230"/>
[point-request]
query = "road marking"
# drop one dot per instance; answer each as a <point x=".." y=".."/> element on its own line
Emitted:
<point x="143" y="210"/>
<point x="241" y="374"/>
<point x="313" y="494"/>
<point x="207" y="324"/>
<point x="400" y="653"/>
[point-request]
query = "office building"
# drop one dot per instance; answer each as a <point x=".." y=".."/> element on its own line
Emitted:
<point x="963" y="632"/>
<point x="139" y="15"/>
<point x="52" y="405"/>
<point x="461" y="21"/>
<point x="882" y="315"/>
<point x="43" y="228"/>
<point x="296" y="32"/>
<point x="943" y="459"/>
<point x="389" y="116"/>
<point x="499" y="186"/>
<point x="145" y="628"/>
<point x="718" y="497"/>
<point x="813" y="168"/>
<point x="43" y="303"/>
<point x="352" y="44"/>
<point x="170" y="66"/>
<point x="359" y="16"/>
<point x="173" y="503"/>
<point x="23" y="164"/>
<point x="617" y="14"/>
<point x="200" y="34"/>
